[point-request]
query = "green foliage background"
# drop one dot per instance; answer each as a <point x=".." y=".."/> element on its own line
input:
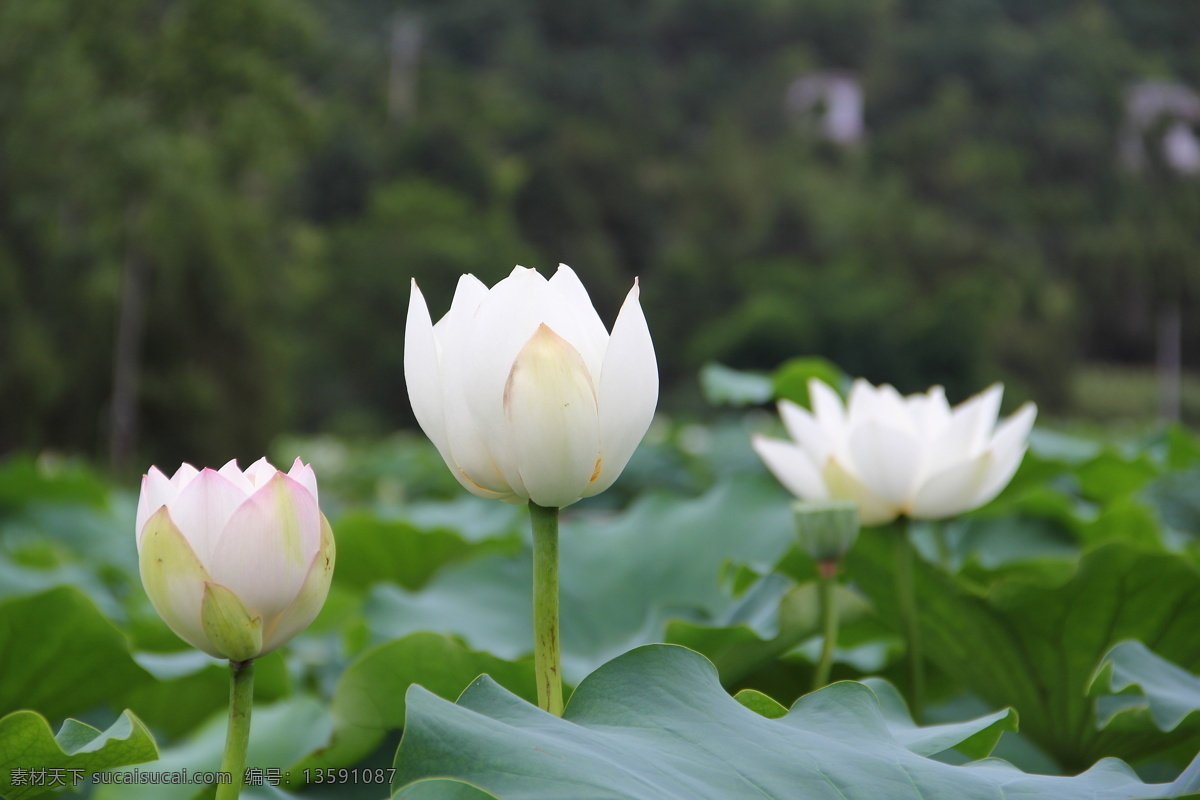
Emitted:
<point x="245" y="157"/>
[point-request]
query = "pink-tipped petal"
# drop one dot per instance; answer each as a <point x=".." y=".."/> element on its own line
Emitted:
<point x="627" y="394"/>
<point x="260" y="472"/>
<point x="202" y="510"/>
<point x="174" y="579"/>
<point x="792" y="467"/>
<point x="554" y="428"/>
<point x="303" y="474"/>
<point x="233" y="473"/>
<point x="309" y="600"/>
<point x="156" y="492"/>
<point x="267" y="547"/>
<point x="183" y="476"/>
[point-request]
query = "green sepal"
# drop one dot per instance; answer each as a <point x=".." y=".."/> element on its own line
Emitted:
<point x="228" y="625"/>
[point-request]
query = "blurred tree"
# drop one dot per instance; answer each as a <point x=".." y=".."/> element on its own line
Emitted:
<point x="248" y="172"/>
<point x="145" y="144"/>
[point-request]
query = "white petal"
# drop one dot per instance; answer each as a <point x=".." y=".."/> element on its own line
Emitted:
<point x="951" y="491"/>
<point x="806" y="431"/>
<point x="202" y="510"/>
<point x="1008" y="448"/>
<point x="423" y="372"/>
<point x="627" y="394"/>
<point x="981" y="412"/>
<point x="303" y="474"/>
<point x="792" y="467"/>
<point x="266" y="550"/>
<point x="233" y="473"/>
<point x="575" y="319"/>
<point x="827" y="408"/>
<point x="468" y="294"/>
<point x="886" y="460"/>
<point x="477" y="377"/>
<point x="967" y="434"/>
<point x="862" y="405"/>
<point x="550" y="406"/>
<point x="464" y="446"/>
<point x="156" y="492"/>
<point x="842" y="485"/>
<point x="891" y="409"/>
<point x="930" y="412"/>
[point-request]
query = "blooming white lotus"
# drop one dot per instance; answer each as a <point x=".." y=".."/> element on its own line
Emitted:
<point x="236" y="563"/>
<point x="896" y="455"/>
<point x="524" y="392"/>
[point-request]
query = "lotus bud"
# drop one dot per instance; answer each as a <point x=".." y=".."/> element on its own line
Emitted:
<point x="524" y="392"/>
<point x="235" y="562"/>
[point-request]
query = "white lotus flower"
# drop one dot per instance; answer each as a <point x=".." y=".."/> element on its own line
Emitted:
<point x="893" y="455"/>
<point x="236" y="563"/>
<point x="524" y="392"/>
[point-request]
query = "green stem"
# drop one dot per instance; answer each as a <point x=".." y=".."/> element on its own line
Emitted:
<point x="943" y="545"/>
<point x="241" y="699"/>
<point x="547" y="664"/>
<point x="907" y="605"/>
<point x="827" y="602"/>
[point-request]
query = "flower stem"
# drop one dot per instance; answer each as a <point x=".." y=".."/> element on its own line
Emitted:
<point x="906" y="603"/>
<point x="241" y="699"/>
<point x="827" y="603"/>
<point x="547" y="663"/>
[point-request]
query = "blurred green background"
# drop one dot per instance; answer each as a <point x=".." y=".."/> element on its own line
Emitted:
<point x="210" y="212"/>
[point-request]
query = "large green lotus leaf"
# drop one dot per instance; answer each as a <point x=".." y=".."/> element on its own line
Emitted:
<point x="27" y="742"/>
<point x="371" y="550"/>
<point x="722" y="385"/>
<point x="1176" y="498"/>
<point x="71" y="544"/>
<point x="790" y="379"/>
<point x="369" y="698"/>
<point x="280" y="735"/>
<point x="1034" y="647"/>
<point x="622" y="577"/>
<point x="974" y="738"/>
<point x="61" y="655"/>
<point x="25" y="481"/>
<point x="655" y="724"/>
<point x="1110" y="475"/>
<point x="1139" y="691"/>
